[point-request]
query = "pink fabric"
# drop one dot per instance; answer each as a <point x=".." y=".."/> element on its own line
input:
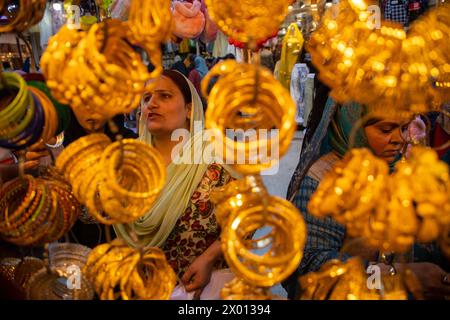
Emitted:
<point x="210" y="32"/>
<point x="417" y="132"/>
<point x="189" y="20"/>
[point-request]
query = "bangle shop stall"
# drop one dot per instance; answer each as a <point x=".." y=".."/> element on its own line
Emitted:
<point x="100" y="66"/>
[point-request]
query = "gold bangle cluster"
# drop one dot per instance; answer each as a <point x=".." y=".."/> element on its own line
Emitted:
<point x="108" y="178"/>
<point x="390" y="211"/>
<point x="35" y="211"/>
<point x="244" y="208"/>
<point x="247" y="21"/>
<point x="384" y="67"/>
<point x="248" y="99"/>
<point x="98" y="71"/>
<point x="29" y="13"/>
<point x="117" y="270"/>
<point x="337" y="280"/>
<point x="150" y="24"/>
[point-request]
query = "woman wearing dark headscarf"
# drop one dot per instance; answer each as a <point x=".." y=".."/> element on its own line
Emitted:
<point x="327" y="144"/>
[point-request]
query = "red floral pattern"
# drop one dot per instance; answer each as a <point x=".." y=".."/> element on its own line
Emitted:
<point x="197" y="227"/>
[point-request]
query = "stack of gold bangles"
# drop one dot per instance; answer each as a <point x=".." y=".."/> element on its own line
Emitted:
<point x="247" y="97"/>
<point x="117" y="270"/>
<point x="98" y="71"/>
<point x="29" y="13"/>
<point x="108" y="179"/>
<point x="337" y="280"/>
<point x="248" y="21"/>
<point x="36" y="211"/>
<point x="391" y="212"/>
<point x="150" y="24"/>
<point x="250" y="208"/>
<point x="383" y="66"/>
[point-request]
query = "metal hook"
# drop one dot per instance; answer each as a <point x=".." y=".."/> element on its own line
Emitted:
<point x="105" y="36"/>
<point x="115" y="130"/>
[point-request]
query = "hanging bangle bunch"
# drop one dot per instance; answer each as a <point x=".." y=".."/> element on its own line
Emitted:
<point x="119" y="271"/>
<point x="391" y="212"/>
<point x="383" y="66"/>
<point x="150" y="24"/>
<point x="109" y="75"/>
<point x="107" y="178"/>
<point x="22" y="119"/>
<point x="36" y="211"/>
<point x="337" y="280"/>
<point x="247" y="97"/>
<point x="251" y="208"/>
<point x="54" y="60"/>
<point x="30" y="12"/>
<point x="98" y="72"/>
<point x="247" y="20"/>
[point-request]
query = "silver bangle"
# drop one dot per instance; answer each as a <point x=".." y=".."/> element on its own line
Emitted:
<point x="59" y="141"/>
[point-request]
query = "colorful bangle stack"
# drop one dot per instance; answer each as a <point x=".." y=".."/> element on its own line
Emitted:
<point x="117" y="270"/>
<point x="63" y="111"/>
<point x="36" y="211"/>
<point x="29" y="119"/>
<point x="98" y="71"/>
<point x="30" y="12"/>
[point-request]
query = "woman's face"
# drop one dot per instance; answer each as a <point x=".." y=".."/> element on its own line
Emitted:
<point x="91" y="122"/>
<point x="386" y="138"/>
<point x="166" y="109"/>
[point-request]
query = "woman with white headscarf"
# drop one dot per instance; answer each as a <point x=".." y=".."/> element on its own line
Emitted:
<point x="181" y="221"/>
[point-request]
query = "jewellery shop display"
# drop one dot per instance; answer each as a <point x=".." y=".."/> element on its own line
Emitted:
<point x="107" y="178"/>
<point x="28" y="117"/>
<point x="247" y="97"/>
<point x="383" y="67"/>
<point x="246" y="20"/>
<point x="251" y="208"/>
<point x="391" y="212"/>
<point x="337" y="280"/>
<point x="35" y="211"/>
<point x="30" y="12"/>
<point x="119" y="271"/>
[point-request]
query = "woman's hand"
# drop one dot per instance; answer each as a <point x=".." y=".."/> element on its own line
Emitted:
<point x="198" y="274"/>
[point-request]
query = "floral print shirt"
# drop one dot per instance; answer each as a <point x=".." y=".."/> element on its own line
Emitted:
<point x="197" y="227"/>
